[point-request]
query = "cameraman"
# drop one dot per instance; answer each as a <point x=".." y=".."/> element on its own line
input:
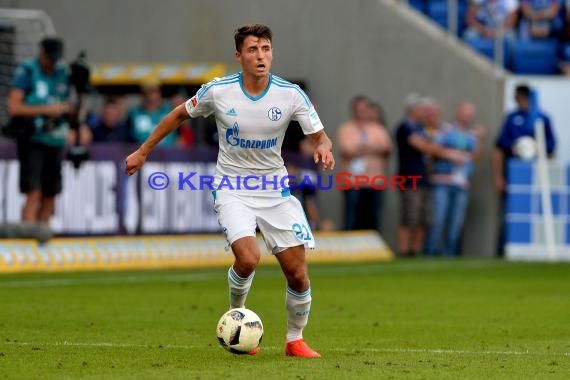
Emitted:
<point x="38" y="103"/>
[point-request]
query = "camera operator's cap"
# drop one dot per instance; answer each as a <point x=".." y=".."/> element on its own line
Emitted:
<point x="53" y="47"/>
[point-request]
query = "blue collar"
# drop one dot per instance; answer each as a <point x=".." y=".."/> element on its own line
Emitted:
<point x="255" y="98"/>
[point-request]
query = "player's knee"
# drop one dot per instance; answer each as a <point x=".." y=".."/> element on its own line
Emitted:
<point x="298" y="279"/>
<point x="247" y="264"/>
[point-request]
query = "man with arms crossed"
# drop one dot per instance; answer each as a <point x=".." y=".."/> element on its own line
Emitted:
<point x="253" y="109"/>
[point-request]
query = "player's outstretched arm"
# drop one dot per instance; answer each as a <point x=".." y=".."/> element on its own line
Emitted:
<point x="323" y="149"/>
<point x="168" y="124"/>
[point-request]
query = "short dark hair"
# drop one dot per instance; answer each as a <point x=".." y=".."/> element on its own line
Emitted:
<point x="256" y="30"/>
<point x="110" y="100"/>
<point x="52" y="47"/>
<point x="523" y="90"/>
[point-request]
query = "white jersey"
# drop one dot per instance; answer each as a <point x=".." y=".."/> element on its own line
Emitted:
<point x="251" y="129"/>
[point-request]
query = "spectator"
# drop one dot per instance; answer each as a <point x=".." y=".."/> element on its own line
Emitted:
<point x="450" y="183"/>
<point x="414" y="147"/>
<point x="540" y="18"/>
<point x="377" y="114"/>
<point x="110" y="125"/>
<point x="431" y="117"/>
<point x="364" y="146"/>
<point x="482" y="17"/>
<point x="142" y="120"/>
<point x="431" y="123"/>
<point x="38" y="102"/>
<point x="518" y="123"/>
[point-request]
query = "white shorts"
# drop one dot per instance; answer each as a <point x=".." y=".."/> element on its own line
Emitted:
<point x="282" y="221"/>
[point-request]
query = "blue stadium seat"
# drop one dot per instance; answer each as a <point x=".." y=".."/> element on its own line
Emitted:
<point x="437" y="11"/>
<point x="535" y="57"/>
<point x="518" y="203"/>
<point x="419" y="5"/>
<point x="519" y="232"/>
<point x="483" y="46"/>
<point x="487" y="48"/>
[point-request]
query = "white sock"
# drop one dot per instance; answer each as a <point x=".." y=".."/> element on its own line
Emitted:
<point x="239" y="287"/>
<point x="298" y="308"/>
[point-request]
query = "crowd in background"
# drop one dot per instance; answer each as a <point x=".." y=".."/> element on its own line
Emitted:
<point x="440" y="153"/>
<point x="521" y="20"/>
<point x="525" y="19"/>
<point x="546" y="22"/>
<point x="116" y="121"/>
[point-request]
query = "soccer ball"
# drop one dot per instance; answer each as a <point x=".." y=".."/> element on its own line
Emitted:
<point x="525" y="148"/>
<point x="240" y="331"/>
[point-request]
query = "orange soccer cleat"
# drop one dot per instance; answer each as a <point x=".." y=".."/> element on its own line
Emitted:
<point x="300" y="349"/>
<point x="254" y="351"/>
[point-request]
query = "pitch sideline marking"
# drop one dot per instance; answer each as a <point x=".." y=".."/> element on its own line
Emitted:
<point x="140" y="278"/>
<point x="351" y="351"/>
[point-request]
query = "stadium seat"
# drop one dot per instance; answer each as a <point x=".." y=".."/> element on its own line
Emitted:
<point x="519" y="203"/>
<point x="486" y="47"/>
<point x="483" y="46"/>
<point x="535" y="57"/>
<point x="437" y="11"/>
<point x="419" y="5"/>
<point x="519" y="232"/>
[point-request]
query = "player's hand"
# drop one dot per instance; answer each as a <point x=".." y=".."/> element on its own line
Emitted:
<point x="322" y="154"/>
<point x="57" y="109"/>
<point x="134" y="162"/>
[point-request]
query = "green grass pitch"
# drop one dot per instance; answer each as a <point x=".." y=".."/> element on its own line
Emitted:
<point x="416" y="319"/>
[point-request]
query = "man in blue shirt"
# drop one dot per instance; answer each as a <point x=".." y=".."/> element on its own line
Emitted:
<point x="451" y="182"/>
<point x="519" y="123"/>
<point x="39" y="101"/>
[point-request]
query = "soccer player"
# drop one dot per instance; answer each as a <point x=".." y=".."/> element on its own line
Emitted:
<point x="253" y="109"/>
